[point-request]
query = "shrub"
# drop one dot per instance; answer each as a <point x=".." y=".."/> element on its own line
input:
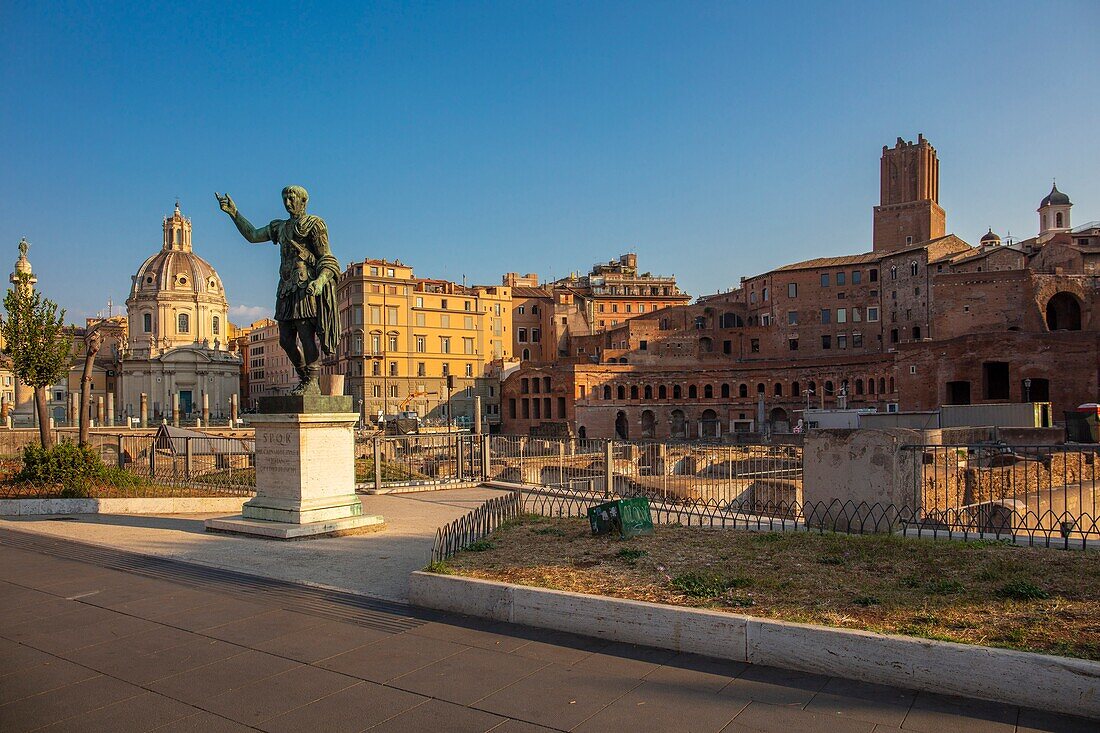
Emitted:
<point x="479" y="546"/>
<point x="68" y="464"/>
<point x="706" y="585"/>
<point x="1022" y="590"/>
<point x="630" y="556"/>
<point x="945" y="587"/>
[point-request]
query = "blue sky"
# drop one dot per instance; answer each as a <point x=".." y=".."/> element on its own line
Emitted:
<point x="715" y="139"/>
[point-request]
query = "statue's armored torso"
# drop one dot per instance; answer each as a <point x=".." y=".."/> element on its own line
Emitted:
<point x="302" y="244"/>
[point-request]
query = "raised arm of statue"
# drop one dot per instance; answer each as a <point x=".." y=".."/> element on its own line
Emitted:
<point x="244" y="226"/>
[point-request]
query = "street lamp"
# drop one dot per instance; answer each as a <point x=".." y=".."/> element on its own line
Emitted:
<point x="1027" y="390"/>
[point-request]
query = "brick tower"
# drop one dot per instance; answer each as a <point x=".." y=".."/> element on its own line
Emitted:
<point x="909" y="211"/>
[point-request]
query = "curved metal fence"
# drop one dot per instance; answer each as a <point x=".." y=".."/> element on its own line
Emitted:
<point x="479" y="523"/>
<point x="848" y="517"/>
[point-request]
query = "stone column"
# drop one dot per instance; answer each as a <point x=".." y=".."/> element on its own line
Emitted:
<point x="205" y="407"/>
<point x="111" y="409"/>
<point x="176" y="409"/>
<point x="144" y="410"/>
<point x="477" y="415"/>
<point x="233" y="410"/>
<point x="99" y="411"/>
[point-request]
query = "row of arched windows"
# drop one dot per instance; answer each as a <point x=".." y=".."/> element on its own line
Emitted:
<point x="859" y="386"/>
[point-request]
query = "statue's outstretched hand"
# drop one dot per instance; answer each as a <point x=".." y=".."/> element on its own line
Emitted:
<point x="314" y="287"/>
<point x="226" y="203"/>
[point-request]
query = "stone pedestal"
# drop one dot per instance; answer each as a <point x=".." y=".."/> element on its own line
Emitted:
<point x="305" y="472"/>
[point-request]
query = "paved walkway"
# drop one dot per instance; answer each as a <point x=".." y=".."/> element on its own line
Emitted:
<point x="96" y="639"/>
<point x="377" y="565"/>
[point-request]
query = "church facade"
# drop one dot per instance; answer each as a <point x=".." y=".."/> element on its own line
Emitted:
<point x="176" y="349"/>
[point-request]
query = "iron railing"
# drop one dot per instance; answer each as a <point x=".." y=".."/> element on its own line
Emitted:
<point x="139" y="465"/>
<point x="999" y="489"/>
<point x="475" y="525"/>
<point x="837" y="516"/>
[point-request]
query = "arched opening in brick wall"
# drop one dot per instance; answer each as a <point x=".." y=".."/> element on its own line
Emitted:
<point x="708" y="424"/>
<point x="708" y="391"/>
<point x="731" y="320"/>
<point x="743" y="390"/>
<point x="634" y="392"/>
<point x="620" y="392"/>
<point x="607" y="392"/>
<point x="582" y="432"/>
<point x="678" y="425"/>
<point x="796" y="389"/>
<point x="706" y="345"/>
<point x="622" y="428"/>
<point x="958" y="392"/>
<point x="1063" y="313"/>
<point x="662" y="392"/>
<point x="779" y="420"/>
<point x="725" y="390"/>
<point x="778" y="389"/>
<point x="1035" y="389"/>
<point x="693" y="392"/>
<point x="649" y="424"/>
<point x="677" y="393"/>
<point x="648" y="392"/>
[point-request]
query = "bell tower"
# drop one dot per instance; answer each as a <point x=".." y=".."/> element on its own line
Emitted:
<point x="1054" y="213"/>
<point x="909" y="192"/>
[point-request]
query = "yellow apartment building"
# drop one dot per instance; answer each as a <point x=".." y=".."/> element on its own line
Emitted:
<point x="403" y="336"/>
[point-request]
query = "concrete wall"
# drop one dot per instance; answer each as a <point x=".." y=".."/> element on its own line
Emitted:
<point x="1059" y="684"/>
<point x="859" y="468"/>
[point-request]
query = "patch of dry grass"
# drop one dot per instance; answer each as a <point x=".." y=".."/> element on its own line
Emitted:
<point x="987" y="593"/>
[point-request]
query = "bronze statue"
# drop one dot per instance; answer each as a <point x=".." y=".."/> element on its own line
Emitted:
<point x="305" y="302"/>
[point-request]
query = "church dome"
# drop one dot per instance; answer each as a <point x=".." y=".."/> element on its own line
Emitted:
<point x="1055" y="198"/>
<point x="176" y="297"/>
<point x="178" y="271"/>
<point x="990" y="237"/>
<point x="176" y="268"/>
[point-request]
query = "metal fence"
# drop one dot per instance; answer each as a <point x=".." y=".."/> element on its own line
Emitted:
<point x="1049" y="490"/>
<point x="419" y="461"/>
<point x="837" y="516"/>
<point x="1036" y="495"/>
<point x="743" y="475"/>
<point x="138" y="465"/>
<point x="473" y="526"/>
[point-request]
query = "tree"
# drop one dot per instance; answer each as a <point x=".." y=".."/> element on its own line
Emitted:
<point x="92" y="343"/>
<point x="39" y="345"/>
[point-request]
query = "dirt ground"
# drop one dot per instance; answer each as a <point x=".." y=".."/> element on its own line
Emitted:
<point x="987" y="593"/>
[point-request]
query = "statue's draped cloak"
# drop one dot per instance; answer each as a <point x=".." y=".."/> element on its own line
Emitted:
<point x="305" y="255"/>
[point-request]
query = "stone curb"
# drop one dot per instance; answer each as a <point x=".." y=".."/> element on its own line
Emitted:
<point x="152" y="505"/>
<point x="1058" y="684"/>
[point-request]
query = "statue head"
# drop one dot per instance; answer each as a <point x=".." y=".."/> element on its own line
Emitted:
<point x="294" y="199"/>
